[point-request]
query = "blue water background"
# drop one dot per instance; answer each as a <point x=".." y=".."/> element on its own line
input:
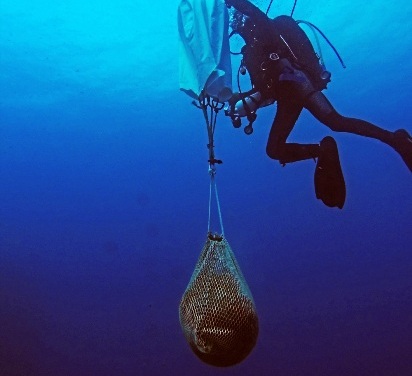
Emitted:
<point x="104" y="197"/>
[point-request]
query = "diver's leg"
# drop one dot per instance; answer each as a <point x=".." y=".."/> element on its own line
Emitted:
<point x="287" y="114"/>
<point x="321" y="108"/>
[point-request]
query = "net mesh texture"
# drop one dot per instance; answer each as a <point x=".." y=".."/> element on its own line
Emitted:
<point x="217" y="312"/>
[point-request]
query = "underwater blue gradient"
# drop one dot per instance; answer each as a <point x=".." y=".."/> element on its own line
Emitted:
<point x="104" y="198"/>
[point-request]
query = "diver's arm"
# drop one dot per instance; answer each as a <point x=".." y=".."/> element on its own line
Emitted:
<point x="249" y="9"/>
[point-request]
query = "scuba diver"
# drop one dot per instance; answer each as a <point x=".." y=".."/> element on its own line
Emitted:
<point x="284" y="67"/>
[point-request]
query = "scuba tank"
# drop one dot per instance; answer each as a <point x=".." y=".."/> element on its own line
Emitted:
<point x="250" y="104"/>
<point x="245" y="105"/>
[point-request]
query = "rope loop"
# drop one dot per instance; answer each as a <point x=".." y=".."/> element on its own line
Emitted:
<point x="206" y="102"/>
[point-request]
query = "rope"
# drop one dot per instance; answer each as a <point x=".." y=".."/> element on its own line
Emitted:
<point x="268" y="8"/>
<point x="210" y="119"/>
<point x="214" y="186"/>
<point x="291" y="13"/>
<point x="210" y="205"/>
<point x="219" y="211"/>
<point x="293" y="9"/>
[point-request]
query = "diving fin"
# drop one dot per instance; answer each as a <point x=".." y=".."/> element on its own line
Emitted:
<point x="402" y="143"/>
<point x="329" y="181"/>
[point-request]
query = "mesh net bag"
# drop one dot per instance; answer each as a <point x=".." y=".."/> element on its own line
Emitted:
<point x="217" y="312"/>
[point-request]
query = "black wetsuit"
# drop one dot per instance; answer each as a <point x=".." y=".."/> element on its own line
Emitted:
<point x="293" y="80"/>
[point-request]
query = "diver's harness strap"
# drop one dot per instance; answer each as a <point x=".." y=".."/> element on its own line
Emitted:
<point x="205" y="102"/>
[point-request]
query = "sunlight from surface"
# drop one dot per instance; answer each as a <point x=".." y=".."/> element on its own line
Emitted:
<point x="54" y="51"/>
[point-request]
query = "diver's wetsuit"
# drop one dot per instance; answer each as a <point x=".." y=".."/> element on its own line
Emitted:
<point x="294" y="85"/>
